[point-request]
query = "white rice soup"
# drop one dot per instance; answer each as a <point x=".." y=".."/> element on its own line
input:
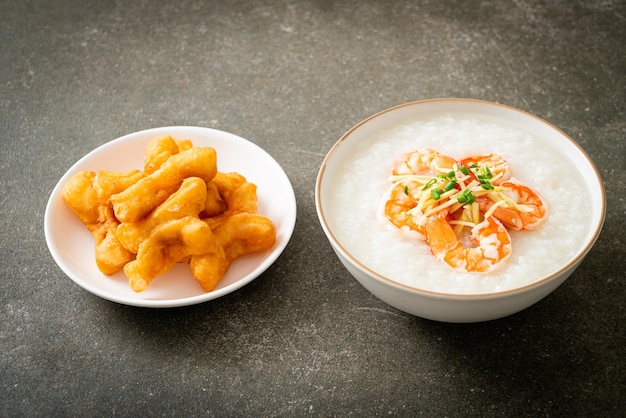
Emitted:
<point x="358" y="225"/>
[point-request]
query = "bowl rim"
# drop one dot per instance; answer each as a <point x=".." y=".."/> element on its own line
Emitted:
<point x="596" y="228"/>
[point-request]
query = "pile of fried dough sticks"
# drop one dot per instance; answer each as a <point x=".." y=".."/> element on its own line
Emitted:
<point x="178" y="209"/>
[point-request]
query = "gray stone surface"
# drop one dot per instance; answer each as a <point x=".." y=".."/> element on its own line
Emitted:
<point x="292" y="76"/>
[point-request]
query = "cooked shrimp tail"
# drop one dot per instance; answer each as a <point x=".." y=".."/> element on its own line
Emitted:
<point x="398" y="208"/>
<point x="519" y="208"/>
<point x="493" y="166"/>
<point x="425" y="161"/>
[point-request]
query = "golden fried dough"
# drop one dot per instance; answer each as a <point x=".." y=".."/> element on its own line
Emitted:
<point x="139" y="199"/>
<point x="214" y="204"/>
<point x="238" y="194"/>
<point x="184" y="144"/>
<point x="82" y="198"/>
<point x="245" y="233"/>
<point x="88" y="195"/>
<point x="188" y="200"/>
<point x="87" y="192"/>
<point x="160" y="149"/>
<point x="178" y="209"/>
<point x="169" y="243"/>
<point x="228" y="182"/>
<point x="108" y="183"/>
<point x="111" y="256"/>
<point x="238" y="235"/>
<point x="208" y="269"/>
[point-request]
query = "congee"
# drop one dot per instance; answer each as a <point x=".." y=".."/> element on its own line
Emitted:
<point x="370" y="221"/>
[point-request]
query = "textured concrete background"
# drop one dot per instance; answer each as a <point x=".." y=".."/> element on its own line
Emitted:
<point x="292" y="76"/>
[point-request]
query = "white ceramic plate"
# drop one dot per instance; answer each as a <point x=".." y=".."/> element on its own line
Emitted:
<point x="71" y="244"/>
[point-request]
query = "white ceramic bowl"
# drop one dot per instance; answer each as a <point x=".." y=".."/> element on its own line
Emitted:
<point x="457" y="306"/>
<point x="71" y="244"/>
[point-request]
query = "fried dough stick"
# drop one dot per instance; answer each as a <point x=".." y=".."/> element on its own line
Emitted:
<point x="214" y="204"/>
<point x="88" y="195"/>
<point x="160" y="149"/>
<point x="238" y="235"/>
<point x="238" y="194"/>
<point x="142" y="197"/>
<point x="188" y="200"/>
<point x="169" y="243"/>
<point x="81" y="196"/>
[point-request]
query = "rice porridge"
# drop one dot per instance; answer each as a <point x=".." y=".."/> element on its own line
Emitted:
<point x="360" y="227"/>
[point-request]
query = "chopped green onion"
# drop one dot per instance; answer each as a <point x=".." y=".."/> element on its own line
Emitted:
<point x="484" y="173"/>
<point x="430" y="183"/>
<point x="487" y="186"/>
<point x="450" y="175"/>
<point x="449" y="186"/>
<point x="436" y="193"/>
<point x="465" y="196"/>
<point x="406" y="189"/>
<point x="464" y="170"/>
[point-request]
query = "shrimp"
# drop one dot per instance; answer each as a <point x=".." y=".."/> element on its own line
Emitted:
<point x="519" y="208"/>
<point x="424" y="161"/>
<point x="412" y="178"/>
<point x="491" y="239"/>
<point x="493" y="166"/>
<point x="398" y="208"/>
<point x="409" y="176"/>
